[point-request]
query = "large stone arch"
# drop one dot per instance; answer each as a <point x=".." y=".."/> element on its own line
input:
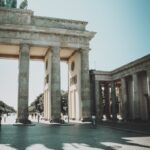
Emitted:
<point x="24" y="36"/>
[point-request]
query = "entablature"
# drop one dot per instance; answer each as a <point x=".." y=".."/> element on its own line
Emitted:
<point x="137" y="66"/>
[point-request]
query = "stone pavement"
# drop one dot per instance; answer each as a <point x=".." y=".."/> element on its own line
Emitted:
<point x="70" y="137"/>
<point x="130" y="126"/>
<point x="43" y="136"/>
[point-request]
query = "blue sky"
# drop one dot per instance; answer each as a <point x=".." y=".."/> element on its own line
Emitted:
<point x="123" y="35"/>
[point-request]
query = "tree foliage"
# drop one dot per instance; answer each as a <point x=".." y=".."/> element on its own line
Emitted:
<point x="4" y="108"/>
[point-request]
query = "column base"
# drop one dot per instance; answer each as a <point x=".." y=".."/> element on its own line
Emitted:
<point x="55" y="120"/>
<point x="86" y="119"/>
<point x="23" y="121"/>
<point x="114" y="118"/>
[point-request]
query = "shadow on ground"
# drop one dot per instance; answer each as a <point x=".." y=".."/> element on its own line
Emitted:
<point x="48" y="137"/>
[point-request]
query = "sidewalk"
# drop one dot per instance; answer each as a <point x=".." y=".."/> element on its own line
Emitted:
<point x="9" y="120"/>
<point x="80" y="136"/>
<point x="130" y="126"/>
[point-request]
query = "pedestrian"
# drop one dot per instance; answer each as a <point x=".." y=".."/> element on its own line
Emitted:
<point x="5" y="118"/>
<point x="62" y="118"/>
<point x="32" y="116"/>
<point x="38" y="117"/>
<point x="35" y="115"/>
<point x="0" y="119"/>
<point x="94" y="120"/>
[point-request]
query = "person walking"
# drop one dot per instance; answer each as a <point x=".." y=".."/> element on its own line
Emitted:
<point x="0" y="119"/>
<point x="38" y="117"/>
<point x="5" y="118"/>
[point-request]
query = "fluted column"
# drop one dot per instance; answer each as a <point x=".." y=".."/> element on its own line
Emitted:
<point x="113" y="96"/>
<point x="124" y="98"/>
<point x="98" y="98"/>
<point x="85" y="87"/>
<point x="148" y="96"/>
<point x="107" y="102"/>
<point x="55" y="85"/>
<point x="135" y="101"/>
<point x="101" y="109"/>
<point x="23" y="85"/>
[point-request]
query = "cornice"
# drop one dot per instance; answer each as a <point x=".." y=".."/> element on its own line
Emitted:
<point x="28" y="28"/>
<point x="132" y="64"/>
<point x="62" y="20"/>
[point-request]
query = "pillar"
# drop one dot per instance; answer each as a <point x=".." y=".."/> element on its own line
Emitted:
<point x="47" y="86"/>
<point x="92" y="92"/>
<point x="113" y="96"/>
<point x="98" y="99"/>
<point x="23" y="85"/>
<point x="124" y="98"/>
<point x="101" y="109"/>
<point x="135" y="101"/>
<point x="85" y="87"/>
<point x="148" y="96"/>
<point x="55" y="85"/>
<point x="107" y="102"/>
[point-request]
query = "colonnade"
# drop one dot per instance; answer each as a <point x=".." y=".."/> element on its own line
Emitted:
<point x="52" y="97"/>
<point x="127" y="98"/>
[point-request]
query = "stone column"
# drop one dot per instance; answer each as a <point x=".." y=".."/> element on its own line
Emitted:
<point x="98" y="99"/>
<point x="107" y="102"/>
<point x="24" y="57"/>
<point x="55" y="85"/>
<point x="101" y="105"/>
<point x="135" y="102"/>
<point x="148" y="96"/>
<point x="85" y="87"/>
<point x="124" y="98"/>
<point x="113" y="96"/>
<point x="92" y="92"/>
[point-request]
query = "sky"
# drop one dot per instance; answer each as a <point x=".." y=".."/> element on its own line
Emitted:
<point x="123" y="35"/>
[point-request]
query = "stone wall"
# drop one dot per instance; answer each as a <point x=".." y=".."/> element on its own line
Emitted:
<point x="15" y="16"/>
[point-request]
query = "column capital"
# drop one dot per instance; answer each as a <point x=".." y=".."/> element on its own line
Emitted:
<point x="24" y="47"/>
<point x="113" y="83"/>
<point x="134" y="74"/>
<point x="123" y="78"/>
<point x="148" y="71"/>
<point x="84" y="50"/>
<point x="55" y="49"/>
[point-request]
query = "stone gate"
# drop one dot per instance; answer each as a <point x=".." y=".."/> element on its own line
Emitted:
<point x="24" y="36"/>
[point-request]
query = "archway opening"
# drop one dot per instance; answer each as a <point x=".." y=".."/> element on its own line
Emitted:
<point x="64" y="90"/>
<point x="8" y="89"/>
<point x="36" y="84"/>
